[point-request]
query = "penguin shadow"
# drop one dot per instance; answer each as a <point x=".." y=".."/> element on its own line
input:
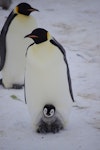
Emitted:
<point x="49" y="122"/>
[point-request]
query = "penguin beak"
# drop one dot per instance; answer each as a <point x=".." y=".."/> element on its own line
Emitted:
<point x="32" y="9"/>
<point x="31" y="36"/>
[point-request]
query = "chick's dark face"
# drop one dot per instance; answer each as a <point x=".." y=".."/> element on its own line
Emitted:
<point x="25" y="9"/>
<point x="49" y="111"/>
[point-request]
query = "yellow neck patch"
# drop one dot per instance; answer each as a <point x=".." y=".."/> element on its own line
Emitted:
<point x="16" y="10"/>
<point x="48" y="36"/>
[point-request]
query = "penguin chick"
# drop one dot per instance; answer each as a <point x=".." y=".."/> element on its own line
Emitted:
<point x="47" y="81"/>
<point x="13" y="45"/>
<point x="49" y="121"/>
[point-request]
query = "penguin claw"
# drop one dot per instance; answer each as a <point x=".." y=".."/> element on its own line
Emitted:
<point x="55" y="128"/>
<point x="43" y="128"/>
<point x="17" y="86"/>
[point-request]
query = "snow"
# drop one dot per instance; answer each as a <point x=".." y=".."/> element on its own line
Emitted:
<point x="75" y="24"/>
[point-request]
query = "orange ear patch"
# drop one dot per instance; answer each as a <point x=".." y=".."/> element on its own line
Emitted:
<point x="16" y="9"/>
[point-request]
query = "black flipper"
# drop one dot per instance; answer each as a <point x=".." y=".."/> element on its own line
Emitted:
<point x="28" y="48"/>
<point x="25" y="92"/>
<point x="24" y="78"/>
<point x="3" y="39"/>
<point x="56" y="43"/>
<point x="0" y="81"/>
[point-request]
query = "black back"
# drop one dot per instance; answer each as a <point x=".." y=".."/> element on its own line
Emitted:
<point x="56" y="43"/>
<point x="3" y="39"/>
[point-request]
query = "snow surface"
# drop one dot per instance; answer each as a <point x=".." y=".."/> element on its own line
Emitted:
<point x="75" y="24"/>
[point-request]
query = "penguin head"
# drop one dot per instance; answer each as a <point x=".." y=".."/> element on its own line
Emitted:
<point x="39" y="35"/>
<point x="24" y="8"/>
<point x="48" y="110"/>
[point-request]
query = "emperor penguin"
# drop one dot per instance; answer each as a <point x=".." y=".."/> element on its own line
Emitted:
<point x="47" y="81"/>
<point x="50" y="120"/>
<point x="13" y="45"/>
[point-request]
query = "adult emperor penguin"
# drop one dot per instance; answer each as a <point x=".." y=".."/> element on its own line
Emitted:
<point x="13" y="45"/>
<point x="47" y="79"/>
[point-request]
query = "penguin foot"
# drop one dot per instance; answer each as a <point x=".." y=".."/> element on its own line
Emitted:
<point x="56" y="126"/>
<point x="42" y="128"/>
<point x="17" y="86"/>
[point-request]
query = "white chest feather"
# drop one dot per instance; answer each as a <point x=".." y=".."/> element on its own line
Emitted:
<point x="16" y="46"/>
<point x="46" y="79"/>
<point x="15" y="42"/>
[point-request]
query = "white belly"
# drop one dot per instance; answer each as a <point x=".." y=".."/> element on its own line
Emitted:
<point x="46" y="83"/>
<point x="13" y="71"/>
